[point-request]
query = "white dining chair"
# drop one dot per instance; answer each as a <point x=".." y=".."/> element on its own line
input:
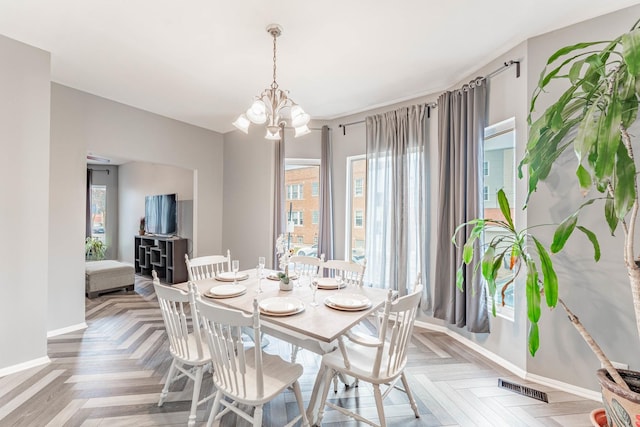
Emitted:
<point x="306" y="266"/>
<point x="351" y="272"/>
<point x="245" y="376"/>
<point x="189" y="351"/>
<point x="207" y="267"/>
<point x="377" y="360"/>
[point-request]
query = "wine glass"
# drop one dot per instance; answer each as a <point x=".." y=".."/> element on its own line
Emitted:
<point x="235" y="266"/>
<point x="339" y="279"/>
<point x="297" y="268"/>
<point x="314" y="287"/>
<point x="261" y="263"/>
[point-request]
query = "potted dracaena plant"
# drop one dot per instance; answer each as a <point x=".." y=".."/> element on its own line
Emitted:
<point x="592" y="116"/>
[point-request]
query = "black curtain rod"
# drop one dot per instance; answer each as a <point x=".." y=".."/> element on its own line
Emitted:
<point x="99" y="170"/>
<point x="506" y="65"/>
<point x="344" y="126"/>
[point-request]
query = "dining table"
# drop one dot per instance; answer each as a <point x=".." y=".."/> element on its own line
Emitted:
<point x="313" y="327"/>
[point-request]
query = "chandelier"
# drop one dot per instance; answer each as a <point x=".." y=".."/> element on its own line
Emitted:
<point x="273" y="106"/>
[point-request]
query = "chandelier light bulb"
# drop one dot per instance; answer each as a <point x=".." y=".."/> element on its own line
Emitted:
<point x="242" y="123"/>
<point x="257" y="113"/>
<point x="274" y="104"/>
<point x="302" y="130"/>
<point x="299" y="117"/>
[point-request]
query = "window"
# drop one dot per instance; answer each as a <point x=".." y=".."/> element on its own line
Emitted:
<point x="358" y="187"/>
<point x="294" y="192"/>
<point x="302" y="184"/>
<point x="358" y="218"/>
<point x="499" y="152"/>
<point x="98" y="211"/>
<point x="296" y="218"/>
<point x="356" y="207"/>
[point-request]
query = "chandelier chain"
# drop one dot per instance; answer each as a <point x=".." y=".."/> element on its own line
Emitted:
<point x="274" y="84"/>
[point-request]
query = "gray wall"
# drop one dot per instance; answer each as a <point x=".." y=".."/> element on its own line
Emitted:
<point x="139" y="179"/>
<point x="598" y="292"/>
<point x="80" y="123"/>
<point x="24" y="191"/>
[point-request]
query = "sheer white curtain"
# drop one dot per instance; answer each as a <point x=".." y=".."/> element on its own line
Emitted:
<point x="397" y="184"/>
<point x="279" y="222"/>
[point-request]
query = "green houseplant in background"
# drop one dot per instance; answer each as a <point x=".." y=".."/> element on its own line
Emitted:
<point x="94" y="249"/>
<point x="592" y="117"/>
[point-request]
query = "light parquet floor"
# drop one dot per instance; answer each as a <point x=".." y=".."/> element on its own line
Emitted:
<point x="111" y="375"/>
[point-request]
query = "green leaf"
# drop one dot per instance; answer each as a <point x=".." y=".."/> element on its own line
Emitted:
<point x="549" y="277"/>
<point x="460" y="279"/>
<point x="610" y="215"/>
<point x="574" y="71"/>
<point x="629" y="111"/>
<point x="534" y="339"/>
<point x="487" y="263"/>
<point x="533" y="293"/>
<point x="504" y="207"/>
<point x="587" y="133"/>
<point x="594" y="241"/>
<point x="584" y="178"/>
<point x="624" y="192"/>
<point x="631" y="51"/>
<point x="467" y="252"/>
<point x="563" y="232"/>
<point x="608" y="140"/>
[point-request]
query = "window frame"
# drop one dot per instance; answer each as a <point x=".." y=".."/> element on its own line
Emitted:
<point x="348" y="202"/>
<point x="491" y="131"/>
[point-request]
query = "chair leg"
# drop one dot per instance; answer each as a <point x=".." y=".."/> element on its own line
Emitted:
<point x="197" y="382"/>
<point x="325" y="391"/>
<point x="407" y="390"/>
<point x="165" y="389"/>
<point x="335" y="383"/>
<point x="298" y="394"/>
<point x="214" y="408"/>
<point x="257" y="416"/>
<point x="379" y="406"/>
<point x="294" y="352"/>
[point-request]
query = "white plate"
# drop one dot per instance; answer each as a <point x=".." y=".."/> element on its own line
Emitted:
<point x="226" y="291"/>
<point x="274" y="276"/>
<point x="281" y="306"/>
<point x="329" y="283"/>
<point x="227" y="276"/>
<point x="348" y="301"/>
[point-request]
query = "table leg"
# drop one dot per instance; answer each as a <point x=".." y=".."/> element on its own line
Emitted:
<point x="314" y="404"/>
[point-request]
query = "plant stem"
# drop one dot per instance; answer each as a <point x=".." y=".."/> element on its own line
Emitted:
<point x="594" y="347"/>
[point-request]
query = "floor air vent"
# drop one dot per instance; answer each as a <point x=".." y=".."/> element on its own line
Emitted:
<point x="523" y="390"/>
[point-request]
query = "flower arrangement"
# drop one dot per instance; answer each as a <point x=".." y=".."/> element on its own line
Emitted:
<point x="284" y="255"/>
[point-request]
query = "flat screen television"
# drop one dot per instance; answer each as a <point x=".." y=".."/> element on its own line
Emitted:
<point x="160" y="215"/>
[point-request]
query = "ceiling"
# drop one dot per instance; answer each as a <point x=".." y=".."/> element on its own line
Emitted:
<point x="202" y="62"/>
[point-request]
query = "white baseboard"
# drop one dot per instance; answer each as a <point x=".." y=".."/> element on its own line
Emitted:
<point x="24" y="365"/>
<point x="66" y="330"/>
<point x="516" y="370"/>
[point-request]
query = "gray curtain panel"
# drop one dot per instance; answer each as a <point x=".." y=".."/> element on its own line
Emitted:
<point x="325" y="233"/>
<point x="397" y="178"/>
<point x="279" y="223"/>
<point x="461" y="123"/>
